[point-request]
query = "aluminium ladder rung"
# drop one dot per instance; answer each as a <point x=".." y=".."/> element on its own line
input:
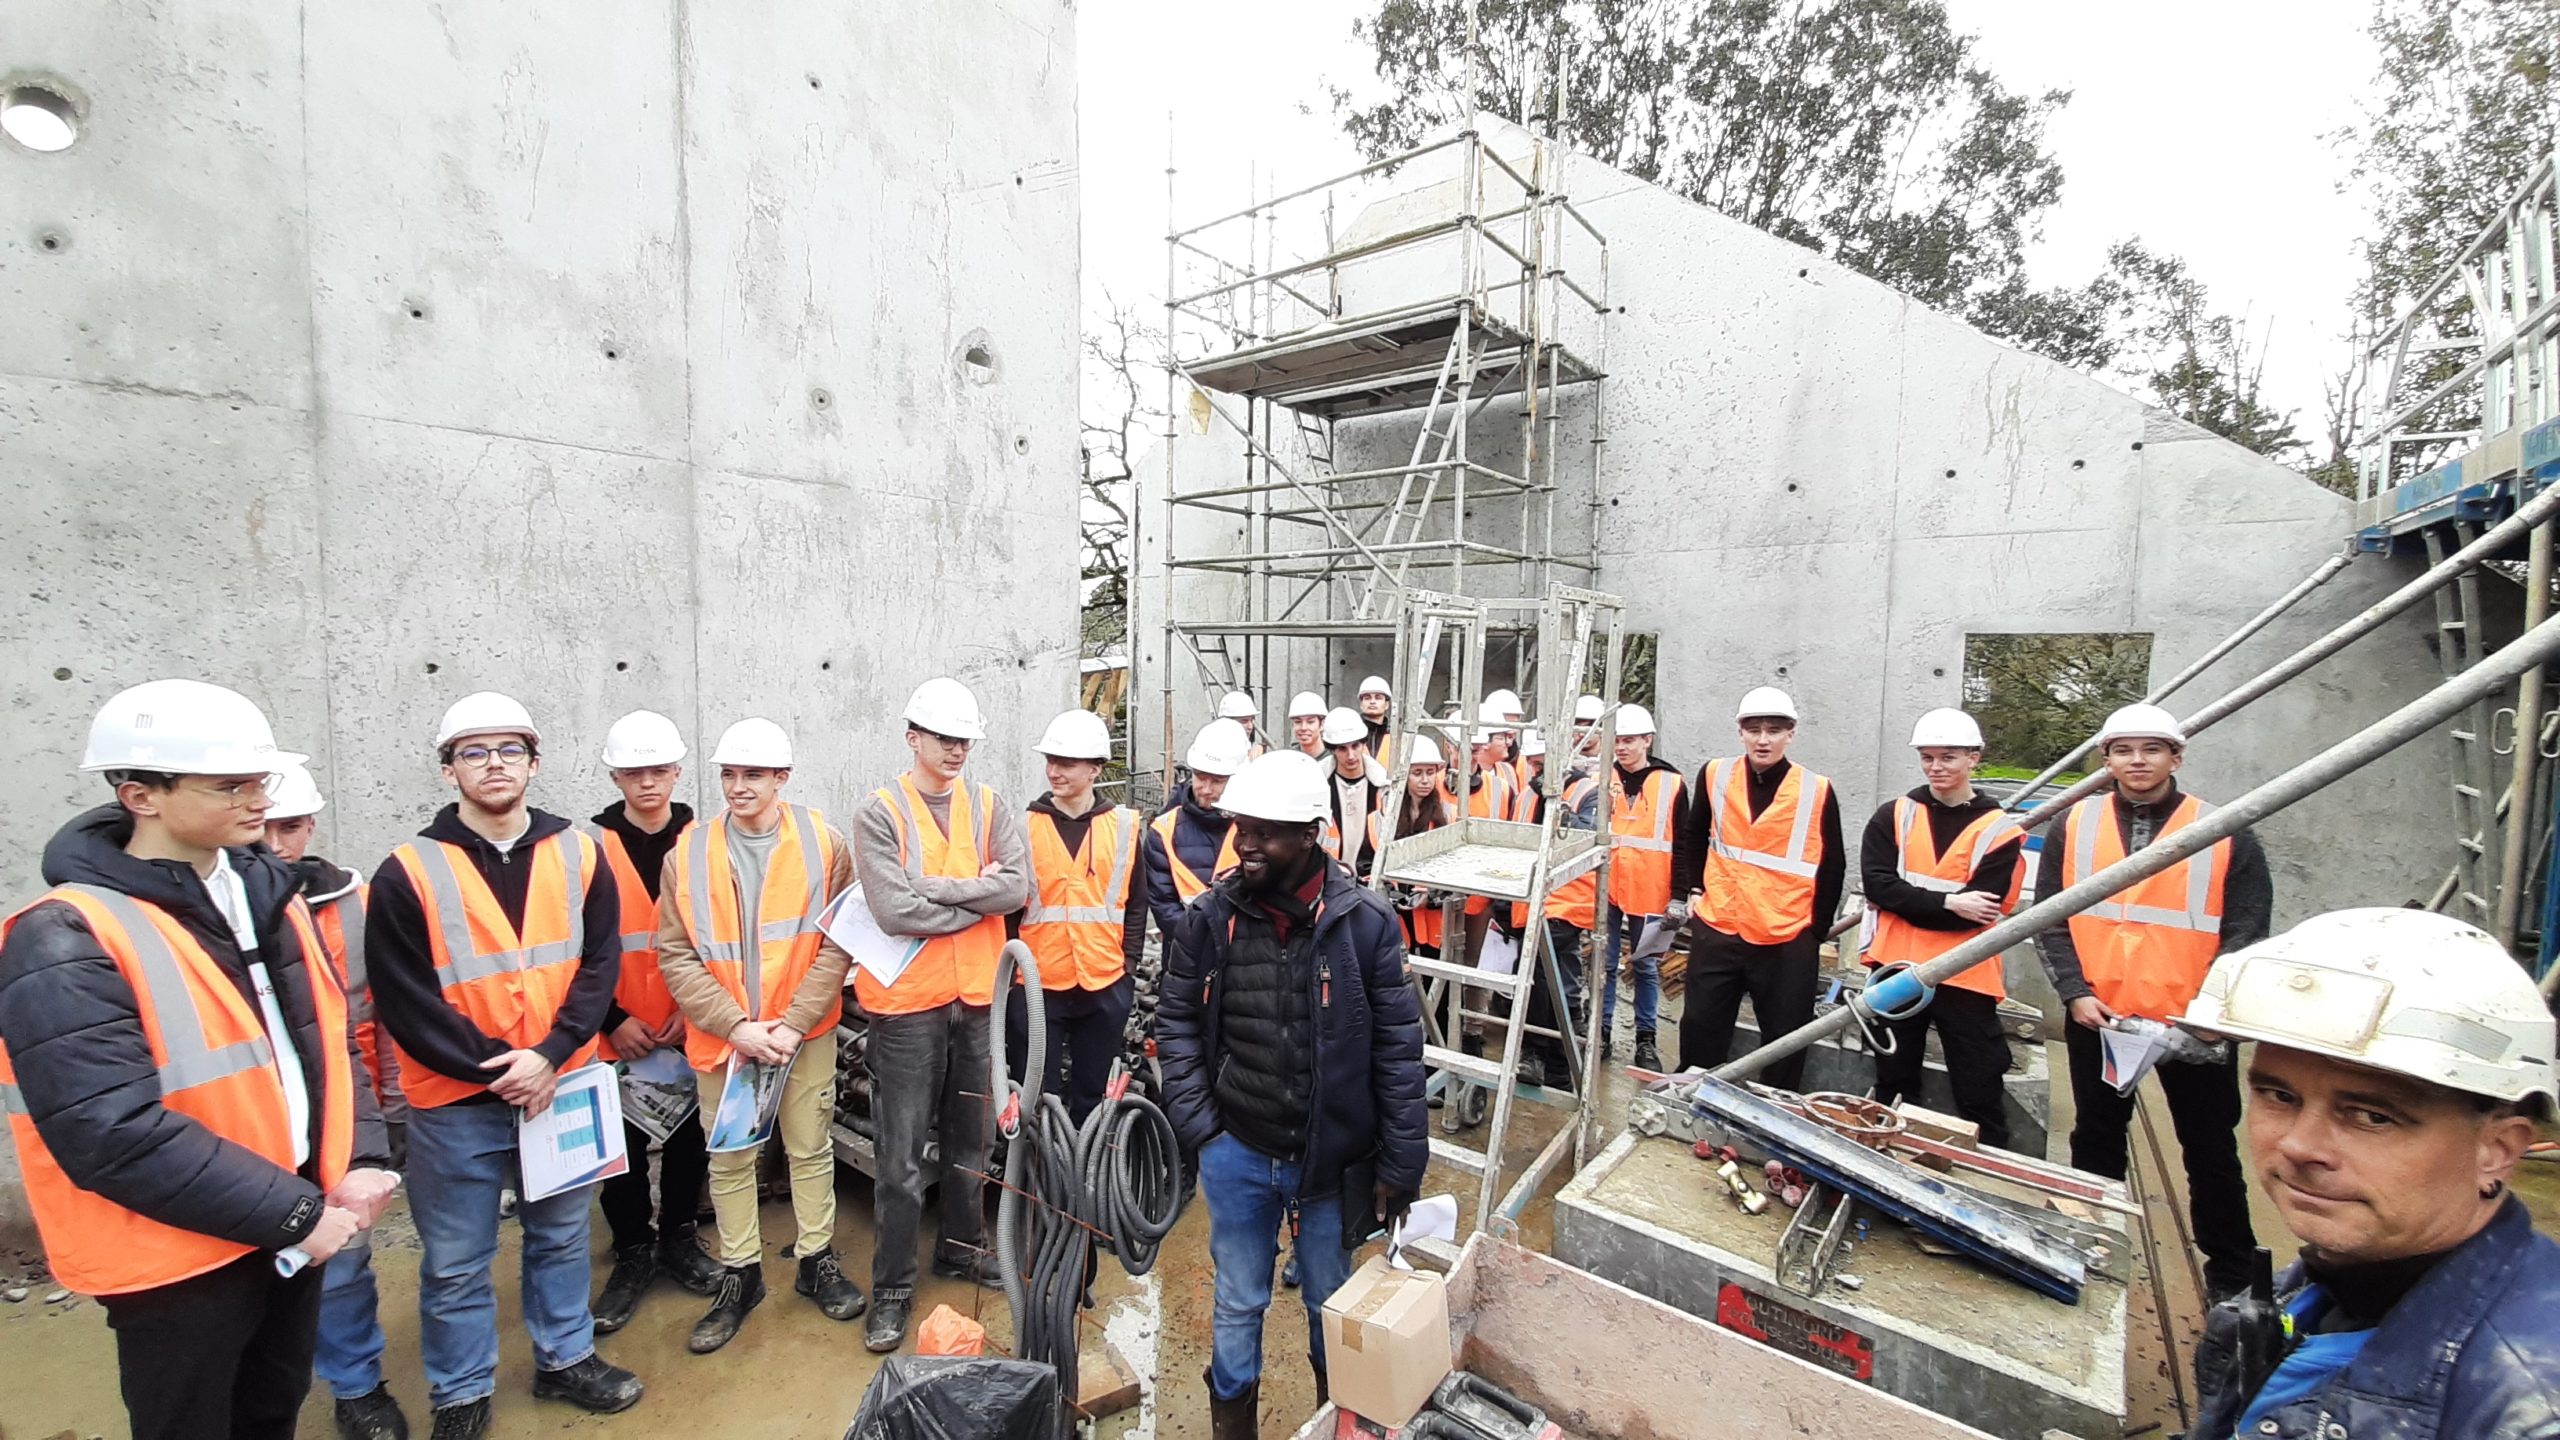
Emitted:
<point x="1451" y="1153"/>
<point x="2467" y="792"/>
<point x="1463" y="974"/>
<point x="1474" y="1067"/>
<point x="2474" y="846"/>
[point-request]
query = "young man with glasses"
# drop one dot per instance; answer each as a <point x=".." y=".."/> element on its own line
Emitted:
<point x="943" y="861"/>
<point x="494" y="943"/>
<point x="177" y="1075"/>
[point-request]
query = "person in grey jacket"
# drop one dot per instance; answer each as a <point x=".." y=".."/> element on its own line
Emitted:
<point x="943" y="861"/>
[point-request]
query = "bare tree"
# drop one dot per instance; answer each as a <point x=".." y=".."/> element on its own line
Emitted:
<point x="1124" y="362"/>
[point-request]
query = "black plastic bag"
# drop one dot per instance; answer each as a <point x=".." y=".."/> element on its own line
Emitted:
<point x="958" y="1397"/>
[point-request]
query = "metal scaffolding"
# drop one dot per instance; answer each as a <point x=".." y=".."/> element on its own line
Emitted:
<point x="1478" y="282"/>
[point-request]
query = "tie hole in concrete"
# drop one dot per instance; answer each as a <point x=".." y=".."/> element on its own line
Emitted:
<point x="39" y="115"/>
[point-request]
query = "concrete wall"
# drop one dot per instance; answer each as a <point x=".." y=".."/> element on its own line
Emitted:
<point x="1809" y="480"/>
<point x="609" y="354"/>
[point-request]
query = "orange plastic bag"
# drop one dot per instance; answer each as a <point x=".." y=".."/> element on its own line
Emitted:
<point x="948" y="1332"/>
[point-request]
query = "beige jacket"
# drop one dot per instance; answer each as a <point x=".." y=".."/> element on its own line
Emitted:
<point x="706" y="1005"/>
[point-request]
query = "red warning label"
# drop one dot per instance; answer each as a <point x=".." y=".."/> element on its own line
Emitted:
<point x="1785" y="1328"/>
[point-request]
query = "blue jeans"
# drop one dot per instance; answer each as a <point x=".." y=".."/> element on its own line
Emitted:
<point x="460" y="1156"/>
<point x="1249" y="1195"/>
<point x="1628" y="930"/>
<point x="348" y="1356"/>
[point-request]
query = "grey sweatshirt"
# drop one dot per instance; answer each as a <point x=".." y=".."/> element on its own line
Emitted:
<point x="909" y="904"/>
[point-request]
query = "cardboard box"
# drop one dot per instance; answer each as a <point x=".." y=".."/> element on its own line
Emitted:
<point x="1386" y="1341"/>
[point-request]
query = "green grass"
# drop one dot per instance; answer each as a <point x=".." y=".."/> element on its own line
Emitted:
<point x="2021" y="772"/>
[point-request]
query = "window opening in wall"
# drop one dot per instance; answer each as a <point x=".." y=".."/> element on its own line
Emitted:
<point x="2038" y="696"/>
<point x="38" y="118"/>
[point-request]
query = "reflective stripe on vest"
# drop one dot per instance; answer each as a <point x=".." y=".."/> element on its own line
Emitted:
<point x="1791" y="861"/>
<point x="1079" y="945"/>
<point x="216" y="1068"/>
<point x="2139" y="955"/>
<point x="2198" y="914"/>
<point x="1187" y="883"/>
<point x="461" y="964"/>
<point x="804" y="826"/>
<point x="626" y="883"/>
<point x="1886" y="938"/>
<point x="712" y="905"/>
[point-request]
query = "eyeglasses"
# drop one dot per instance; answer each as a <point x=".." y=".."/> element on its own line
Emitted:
<point x="240" y="794"/>
<point x="481" y="757"/>
<point x="947" y="742"/>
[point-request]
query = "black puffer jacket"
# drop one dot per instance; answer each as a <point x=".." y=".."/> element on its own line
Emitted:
<point x="1366" y="1112"/>
<point x="75" y="1039"/>
<point x="1264" y="1075"/>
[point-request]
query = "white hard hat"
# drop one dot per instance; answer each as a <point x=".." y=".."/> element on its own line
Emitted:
<point x="184" y="727"/>
<point x="641" y="739"/>
<point x="1500" y="705"/>
<point x="1284" y="786"/>
<point x="293" y="794"/>
<point x="2141" y="722"/>
<point x="1947" y="727"/>
<point x="1590" y="707"/>
<point x="1237" y="705"/>
<point x="755" y="742"/>
<point x="1306" y="702"/>
<point x="1219" y="749"/>
<point x="2406" y="991"/>
<point x="1766" y="700"/>
<point x="485" y="712"/>
<point x="1425" y="751"/>
<point x="1376" y="685"/>
<point x="1076" y="735"/>
<point x="1533" y="743"/>
<point x="1634" y="720"/>
<point x="945" y="707"/>
<point x="1343" y="726"/>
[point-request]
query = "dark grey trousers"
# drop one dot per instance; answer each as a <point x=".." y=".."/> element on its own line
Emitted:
<point x="931" y="1072"/>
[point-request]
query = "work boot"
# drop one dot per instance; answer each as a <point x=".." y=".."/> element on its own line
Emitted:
<point x="1647" y="1058"/>
<point x="1608" y="1046"/>
<point x="684" y="1261"/>
<point x="1236" y="1419"/>
<point x="634" y="1266"/>
<point x="1324" y="1383"/>
<point x="592" y="1384"/>
<point x="888" y="1320"/>
<point x="372" y="1417"/>
<point x="822" y="1279"/>
<point x="976" y="1267"/>
<point x="466" y="1421"/>
<point x="741" y="1290"/>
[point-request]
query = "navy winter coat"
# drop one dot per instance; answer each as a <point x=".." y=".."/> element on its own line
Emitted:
<point x="1197" y="834"/>
<point x="2472" y="1352"/>
<point x="85" y="1070"/>
<point x="1368" y="1114"/>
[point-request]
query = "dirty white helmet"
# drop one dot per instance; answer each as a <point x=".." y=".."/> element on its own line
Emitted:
<point x="641" y="739"/>
<point x="945" y="707"/>
<point x="184" y="727"/>
<point x="1076" y="735"/>
<point x="1343" y="726"/>
<point x="1283" y="786"/>
<point x="1219" y="749"/>
<point x="2141" y="722"/>
<point x="1500" y="705"/>
<point x="1532" y="743"/>
<point x="1376" y="685"/>
<point x="1635" y="720"/>
<point x="1425" y="752"/>
<point x="1766" y="702"/>
<point x="2406" y="991"/>
<point x="485" y="712"/>
<point x="1946" y="727"/>
<point x="1589" y="709"/>
<point x="1306" y="702"/>
<point x="754" y="742"/>
<point x="1237" y="705"/>
<point x="292" y="794"/>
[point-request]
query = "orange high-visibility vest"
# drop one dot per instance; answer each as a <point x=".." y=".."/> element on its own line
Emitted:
<point x="960" y="966"/>
<point x="1080" y="903"/>
<point x="641" y="992"/>
<point x="1576" y="902"/>
<point x="2146" y="949"/>
<point x="217" y="1068"/>
<point x="1760" y="869"/>
<point x="1491" y="798"/>
<point x="509" y="983"/>
<point x="1890" y="938"/>
<point x="1423" y="925"/>
<point x="1332" y="840"/>
<point x="1187" y="882"/>
<point x="761" y="977"/>
<point x="339" y="922"/>
<point x="1640" y="842"/>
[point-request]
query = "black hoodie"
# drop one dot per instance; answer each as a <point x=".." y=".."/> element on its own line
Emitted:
<point x="84" y="1068"/>
<point x="411" y="1005"/>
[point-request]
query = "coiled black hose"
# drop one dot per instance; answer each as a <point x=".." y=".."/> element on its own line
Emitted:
<point x="1116" y="1179"/>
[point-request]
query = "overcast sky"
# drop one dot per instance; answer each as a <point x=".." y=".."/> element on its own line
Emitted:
<point x="2198" y="125"/>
